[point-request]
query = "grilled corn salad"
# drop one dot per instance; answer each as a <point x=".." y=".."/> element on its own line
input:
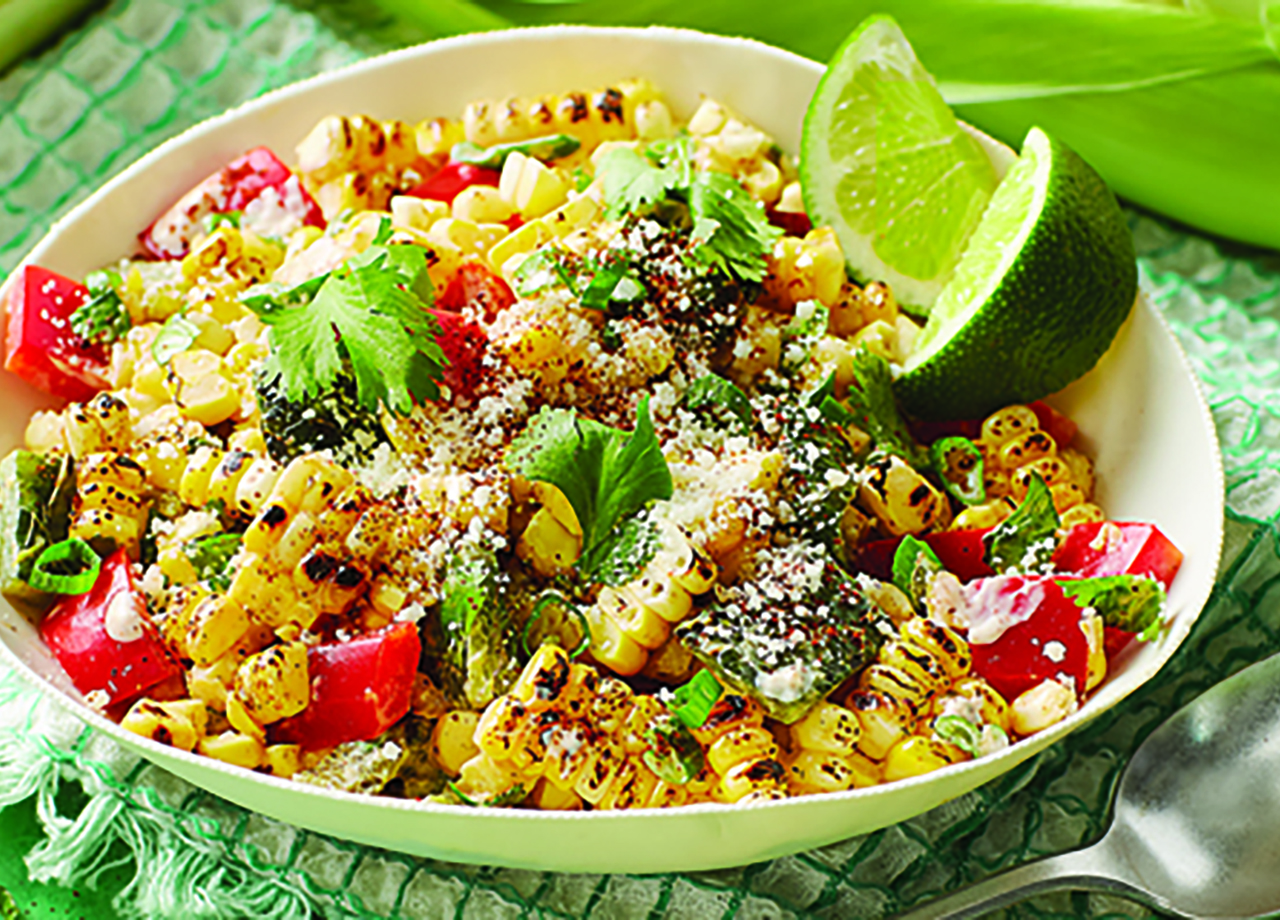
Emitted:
<point x="545" y="457"/>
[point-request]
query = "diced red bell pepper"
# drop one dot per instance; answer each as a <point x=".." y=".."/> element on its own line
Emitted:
<point x="790" y="222"/>
<point x="39" y="344"/>
<point x="1114" y="641"/>
<point x="445" y="184"/>
<point x="359" y="689"/>
<point x="1054" y="423"/>
<point x="960" y="551"/>
<point x="1048" y="644"/>
<point x="477" y="289"/>
<point x="1117" y="548"/>
<point x="463" y="343"/>
<point x="927" y="432"/>
<point x="103" y="639"/>
<point x="233" y="188"/>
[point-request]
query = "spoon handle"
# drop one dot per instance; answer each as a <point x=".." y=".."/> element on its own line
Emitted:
<point x="1093" y="868"/>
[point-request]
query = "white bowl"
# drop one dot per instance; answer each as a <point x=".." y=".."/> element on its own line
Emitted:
<point x="1140" y="412"/>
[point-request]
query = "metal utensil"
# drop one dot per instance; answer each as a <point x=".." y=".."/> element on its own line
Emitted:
<point x="1196" y="830"/>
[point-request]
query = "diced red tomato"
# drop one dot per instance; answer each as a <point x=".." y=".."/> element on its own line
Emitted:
<point x="233" y="188"/>
<point x="103" y="639"/>
<point x="477" y="289"/>
<point x="464" y="344"/>
<point x="39" y="344"/>
<point x="453" y="178"/>
<point x="1054" y="423"/>
<point x="359" y="689"/>
<point x="790" y="222"/>
<point x="960" y="551"/>
<point x="1114" y="641"/>
<point x="1117" y="548"/>
<point x="1047" y="644"/>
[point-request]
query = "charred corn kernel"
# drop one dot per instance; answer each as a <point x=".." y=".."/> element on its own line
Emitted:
<point x="211" y="684"/>
<point x="82" y="434"/>
<point x="1066" y="495"/>
<point x="947" y="647"/>
<point x="816" y="771"/>
<point x="298" y="538"/>
<point x="631" y="790"/>
<point x="1085" y="513"/>
<point x="883" y="719"/>
<point x="241" y="719"/>
<point x="996" y="483"/>
<point x="571" y="748"/>
<point x="248" y="439"/>
<point x="866" y="772"/>
<point x="296" y="480"/>
<point x="805" y="269"/>
<point x="410" y="213"/>
<point x="329" y="150"/>
<point x="483" y="778"/>
<point x="889" y="598"/>
<point x="1081" y="468"/>
<point x="436" y="137"/>
<point x="828" y="728"/>
<point x="900" y="498"/>
<point x="660" y="595"/>
<point x="1097" y="661"/>
<point x="371" y="532"/>
<point x="226" y="477"/>
<point x="99" y="525"/>
<point x="904" y="666"/>
<point x="452" y="740"/>
<point x="194" y="488"/>
<point x="667" y="795"/>
<point x="593" y="783"/>
<point x="1045" y="704"/>
<point x="273" y="684"/>
<point x="605" y="114"/>
<point x="254" y="485"/>
<point x="991" y="707"/>
<point x="215" y="625"/>
<point x="327" y="481"/>
<point x="580" y="692"/>
<point x="644" y="712"/>
<point x="612" y="647"/>
<point x="685" y="564"/>
<point x="199" y="388"/>
<point x="611" y="706"/>
<point x="266" y="529"/>
<point x="387" y="597"/>
<point x="547" y="545"/>
<point x="234" y="748"/>
<point x="983" y="516"/>
<point x="732" y="712"/>
<point x="911" y="687"/>
<point x="543" y="682"/>
<point x="916" y="755"/>
<point x="180" y="723"/>
<point x="550" y="797"/>
<point x="283" y="760"/>
<point x="1053" y="470"/>
<point x="1005" y="424"/>
<point x="637" y="621"/>
<point x="1026" y="448"/>
<point x="481" y="204"/>
<point x="735" y="747"/>
<point x="219" y="248"/>
<point x="753" y="776"/>
<point x="504" y="728"/>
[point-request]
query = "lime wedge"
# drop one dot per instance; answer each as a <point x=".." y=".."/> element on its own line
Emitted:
<point x="1048" y="277"/>
<point x="885" y="163"/>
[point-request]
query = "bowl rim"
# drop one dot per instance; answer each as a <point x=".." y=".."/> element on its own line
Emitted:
<point x="1014" y="754"/>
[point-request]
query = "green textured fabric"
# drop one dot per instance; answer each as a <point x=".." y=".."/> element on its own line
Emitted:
<point x="79" y="807"/>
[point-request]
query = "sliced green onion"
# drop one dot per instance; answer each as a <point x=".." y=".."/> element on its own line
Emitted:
<point x="551" y="147"/>
<point x="692" y="703"/>
<point x="914" y="565"/>
<point x="176" y="335"/>
<point x="958" y="463"/>
<point x="556" y="599"/>
<point x="673" y="754"/>
<point x="69" y="554"/>
<point x="959" y="731"/>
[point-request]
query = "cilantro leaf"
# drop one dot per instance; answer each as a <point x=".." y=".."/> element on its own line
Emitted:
<point x="875" y="410"/>
<point x="1129" y="602"/>
<point x="713" y="396"/>
<point x="211" y="557"/>
<point x="376" y="304"/>
<point x="103" y="318"/>
<point x="176" y="336"/>
<point x="800" y="337"/>
<point x="914" y="565"/>
<point x="606" y="474"/>
<point x="1025" y="541"/>
<point x="631" y="183"/>
<point x="622" y="553"/>
<point x="730" y="226"/>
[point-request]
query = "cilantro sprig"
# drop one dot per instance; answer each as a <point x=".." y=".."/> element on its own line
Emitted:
<point x="369" y="318"/>
<point x="1134" y="603"/>
<point x="608" y="476"/>
<point x="730" y="231"/>
<point x="1026" y="540"/>
<point x="103" y="317"/>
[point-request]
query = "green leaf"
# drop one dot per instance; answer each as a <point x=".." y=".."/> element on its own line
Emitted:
<point x="622" y="554"/>
<point x="718" y="399"/>
<point x="211" y="558"/>
<point x="217" y="219"/>
<point x="914" y="565"/>
<point x="1025" y="541"/>
<point x="1130" y="602"/>
<point x="606" y="474"/>
<point x="548" y="147"/>
<point x="692" y="703"/>
<point x="176" y="336"/>
<point x="631" y="183"/>
<point x="8" y="909"/>
<point x="103" y="318"/>
<point x="800" y="337"/>
<point x="271" y="295"/>
<point x="731" y="229"/>
<point x="540" y="271"/>
<point x="673" y="754"/>
<point x="375" y="306"/>
<point x="875" y="410"/>
<point x="959" y="466"/>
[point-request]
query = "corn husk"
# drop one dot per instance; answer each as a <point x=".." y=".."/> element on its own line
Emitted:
<point x="26" y="24"/>
<point x="1177" y="105"/>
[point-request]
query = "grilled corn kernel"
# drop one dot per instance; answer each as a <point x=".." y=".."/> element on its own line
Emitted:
<point x="242" y="720"/>
<point x="226" y="478"/>
<point x="273" y="684"/>
<point x="972" y="693"/>
<point x="612" y="647"/>
<point x="550" y="797"/>
<point x="548" y="545"/>
<point x="1081" y="468"/>
<point x="483" y="778"/>
<point x="1094" y="641"/>
<point x="983" y="516"/>
<point x="731" y="712"/>
<point x="1008" y="423"/>
<point x="1066" y="495"/>
<point x="883" y="719"/>
<point x="916" y="755"/>
<point x="828" y="728"/>
<point x="641" y="624"/>
<point x="453" y="740"/>
<point x="214" y="626"/>
<point x="200" y="389"/>
<point x="814" y="771"/>
<point x="1045" y="704"/>
<point x="234" y="748"/>
<point x="502" y="729"/>
<point x="1026" y="448"/>
<point x="180" y="723"/>
<point x="481" y="204"/>
<point x="571" y="748"/>
<point x="764" y="775"/>
<point x="593" y="783"/>
<point x="1086" y="513"/>
<point x="735" y="747"/>
<point x="947" y="647"/>
<point x="283" y="760"/>
<point x="911" y="688"/>
<point x="903" y="500"/>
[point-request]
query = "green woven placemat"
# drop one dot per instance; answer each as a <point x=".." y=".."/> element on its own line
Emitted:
<point x="141" y="70"/>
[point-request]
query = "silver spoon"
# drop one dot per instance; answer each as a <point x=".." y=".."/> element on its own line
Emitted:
<point x="1196" y="831"/>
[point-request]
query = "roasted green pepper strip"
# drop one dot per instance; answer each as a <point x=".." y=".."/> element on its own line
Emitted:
<point x="958" y="462"/>
<point x="551" y="147"/>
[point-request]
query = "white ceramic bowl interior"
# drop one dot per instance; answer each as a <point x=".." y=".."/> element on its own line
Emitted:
<point x="1140" y="412"/>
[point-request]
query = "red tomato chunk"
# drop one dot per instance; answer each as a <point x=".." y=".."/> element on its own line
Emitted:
<point x="39" y="344"/>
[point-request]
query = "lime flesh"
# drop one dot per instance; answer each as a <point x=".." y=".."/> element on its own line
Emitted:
<point x="887" y="166"/>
